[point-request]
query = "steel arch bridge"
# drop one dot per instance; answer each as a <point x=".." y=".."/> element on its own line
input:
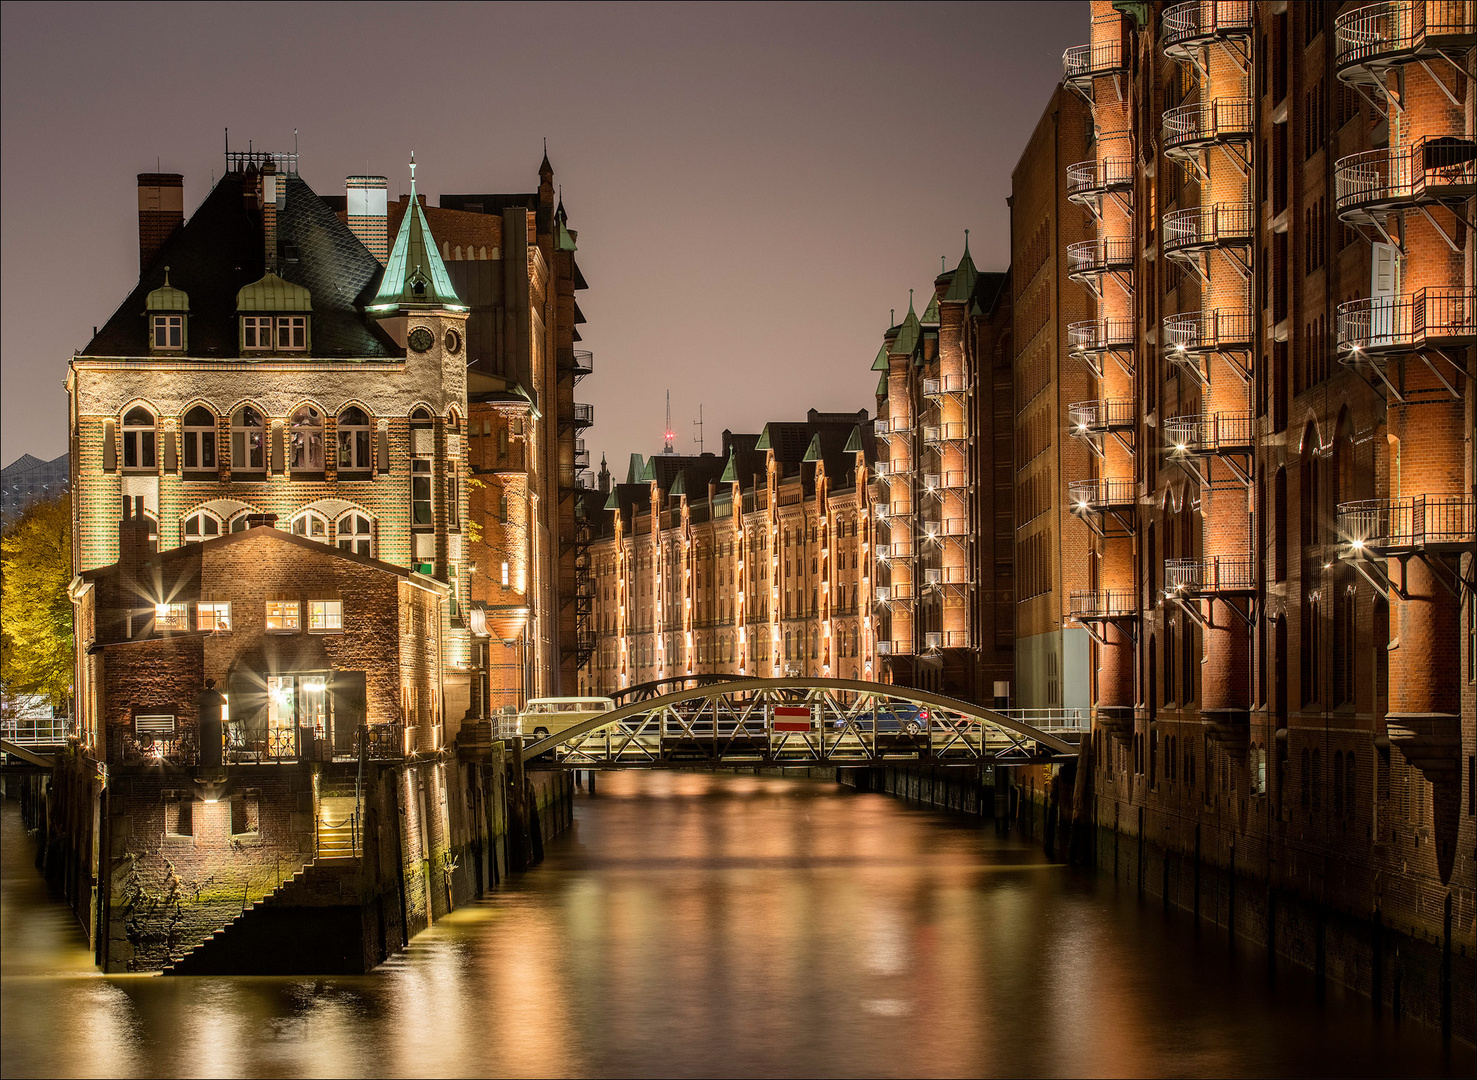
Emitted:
<point x="777" y="722"/>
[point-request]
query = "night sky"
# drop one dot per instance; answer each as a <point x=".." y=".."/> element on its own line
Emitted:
<point x="754" y="187"/>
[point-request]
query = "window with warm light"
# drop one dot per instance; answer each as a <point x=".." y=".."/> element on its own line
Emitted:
<point x="325" y="615"/>
<point x="170" y="616"/>
<point x="355" y="533"/>
<point x="283" y="615"/>
<point x="213" y="615"/>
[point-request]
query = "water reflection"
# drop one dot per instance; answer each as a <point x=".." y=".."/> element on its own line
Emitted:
<point x="702" y="925"/>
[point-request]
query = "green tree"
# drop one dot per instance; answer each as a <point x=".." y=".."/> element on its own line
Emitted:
<point x="35" y="612"/>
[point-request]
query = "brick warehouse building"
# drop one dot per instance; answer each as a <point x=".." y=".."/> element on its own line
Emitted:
<point x="1270" y="388"/>
<point x="293" y="359"/>
<point x="754" y="562"/>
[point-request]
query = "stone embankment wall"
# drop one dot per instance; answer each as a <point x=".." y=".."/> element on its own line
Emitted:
<point x="294" y="868"/>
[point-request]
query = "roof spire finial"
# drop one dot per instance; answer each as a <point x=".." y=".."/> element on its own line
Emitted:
<point x="943" y="264"/>
<point x="910" y="301"/>
<point x="966" y="241"/>
<point x="412" y="172"/>
<point x="892" y="316"/>
<point x="166" y="283"/>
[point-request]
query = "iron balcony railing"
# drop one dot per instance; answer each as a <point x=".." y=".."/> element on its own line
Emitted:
<point x="1401" y="30"/>
<point x="1443" y="167"/>
<point x="932" y="481"/>
<point x="1211" y="433"/>
<point x="1422" y="521"/>
<point x="1191" y="127"/>
<point x="1086" y="258"/>
<point x="933" y="640"/>
<point x="944" y="384"/>
<point x="581" y="454"/>
<point x="1103" y="603"/>
<point x="954" y="431"/>
<point x="1389" y="324"/>
<point x="1200" y="22"/>
<point x="584" y="414"/>
<point x="1207" y="331"/>
<point x="1083" y="63"/>
<point x="880" y="425"/>
<point x="1100" y="494"/>
<point x="1100" y="335"/>
<point x="955" y="478"/>
<point x="1200" y="227"/>
<point x="1089" y="179"/>
<point x="1212" y="574"/>
<point x="1104" y="414"/>
<point x="37" y="731"/>
<point x="897" y="549"/>
<point x="584" y="362"/>
<point x="884" y="648"/>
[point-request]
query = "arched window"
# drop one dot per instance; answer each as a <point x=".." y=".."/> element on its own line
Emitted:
<point x="311" y="524"/>
<point x="238" y="523"/>
<point x="353" y="441"/>
<point x="201" y="526"/>
<point x="248" y="443"/>
<point x="307" y="440"/>
<point x="199" y="428"/>
<point x="355" y="533"/>
<point x="138" y="439"/>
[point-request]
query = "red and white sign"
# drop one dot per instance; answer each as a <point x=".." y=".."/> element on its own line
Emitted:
<point x="791" y="718"/>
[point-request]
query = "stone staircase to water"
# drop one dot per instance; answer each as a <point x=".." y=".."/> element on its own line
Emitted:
<point x="310" y="924"/>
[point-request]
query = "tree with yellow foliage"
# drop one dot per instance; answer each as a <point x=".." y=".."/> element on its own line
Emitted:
<point x="36" y="648"/>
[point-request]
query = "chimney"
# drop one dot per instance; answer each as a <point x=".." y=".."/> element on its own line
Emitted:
<point x="161" y="210"/>
<point x="270" y="189"/>
<point x="367" y="203"/>
<point x="137" y="585"/>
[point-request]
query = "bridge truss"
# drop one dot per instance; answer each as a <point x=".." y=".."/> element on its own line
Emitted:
<point x="778" y="722"/>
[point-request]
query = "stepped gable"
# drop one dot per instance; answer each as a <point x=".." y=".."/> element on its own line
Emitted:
<point x="220" y="250"/>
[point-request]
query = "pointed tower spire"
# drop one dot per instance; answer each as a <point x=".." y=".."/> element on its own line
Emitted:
<point x="415" y="276"/>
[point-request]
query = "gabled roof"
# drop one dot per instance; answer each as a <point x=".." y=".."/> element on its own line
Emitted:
<point x="220" y="249"/>
<point x="415" y="276"/>
<point x="961" y="288"/>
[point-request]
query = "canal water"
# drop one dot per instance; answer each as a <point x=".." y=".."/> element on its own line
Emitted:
<point x="725" y="925"/>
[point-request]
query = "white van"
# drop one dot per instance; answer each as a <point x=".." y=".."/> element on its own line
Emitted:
<point x="550" y="716"/>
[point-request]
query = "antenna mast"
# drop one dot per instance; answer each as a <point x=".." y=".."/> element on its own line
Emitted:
<point x="669" y="435"/>
<point x="698" y="423"/>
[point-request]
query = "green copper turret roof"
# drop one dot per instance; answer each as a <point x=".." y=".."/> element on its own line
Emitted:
<point x="679" y="485"/>
<point x="880" y="364"/>
<point x="648" y="474"/>
<point x="907" y="332"/>
<point x="415" y="276"/>
<point x="730" y="471"/>
<point x="882" y="385"/>
<point x="813" y="451"/>
<point x="637" y="467"/>
<point x="962" y="287"/>
<point x="931" y="313"/>
<point x="854" y="444"/>
<point x="167" y="298"/>
<point x="612" y="503"/>
<point x="272" y="293"/>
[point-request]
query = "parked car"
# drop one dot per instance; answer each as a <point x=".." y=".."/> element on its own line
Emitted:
<point x="893" y="718"/>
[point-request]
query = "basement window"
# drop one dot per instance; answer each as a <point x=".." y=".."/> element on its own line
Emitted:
<point x="246" y="814"/>
<point x="179" y="817"/>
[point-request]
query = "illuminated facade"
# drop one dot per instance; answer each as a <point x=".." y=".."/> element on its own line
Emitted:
<point x="755" y="562"/>
<point x="302" y="451"/>
<point x="1275" y="478"/>
<point x="945" y="579"/>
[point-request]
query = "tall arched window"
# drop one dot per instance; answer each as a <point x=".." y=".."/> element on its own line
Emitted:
<point x="353" y="441"/>
<point x="138" y="439"/>
<point x="355" y="533"/>
<point x="199" y="428"/>
<point x="248" y="441"/>
<point x="201" y="525"/>
<point x="307" y="440"/>
<point x="311" y="524"/>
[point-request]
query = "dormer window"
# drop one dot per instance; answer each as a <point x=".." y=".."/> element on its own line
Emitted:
<point x="292" y="333"/>
<point x="168" y="309"/>
<point x="169" y="332"/>
<point x="256" y="331"/>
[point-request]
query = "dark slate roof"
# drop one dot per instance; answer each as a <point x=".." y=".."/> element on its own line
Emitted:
<point x="219" y="251"/>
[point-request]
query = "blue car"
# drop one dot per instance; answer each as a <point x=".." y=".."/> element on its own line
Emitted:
<point x="892" y="719"/>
